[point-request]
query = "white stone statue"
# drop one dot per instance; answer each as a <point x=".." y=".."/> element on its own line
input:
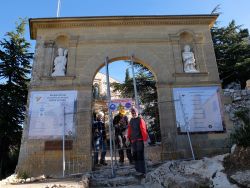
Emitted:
<point x="60" y="62"/>
<point x="189" y="60"/>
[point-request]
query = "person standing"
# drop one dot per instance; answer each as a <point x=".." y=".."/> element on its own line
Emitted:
<point x="120" y="123"/>
<point x="137" y="134"/>
<point x="99" y="138"/>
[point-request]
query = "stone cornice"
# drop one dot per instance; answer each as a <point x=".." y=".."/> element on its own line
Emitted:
<point x="80" y="22"/>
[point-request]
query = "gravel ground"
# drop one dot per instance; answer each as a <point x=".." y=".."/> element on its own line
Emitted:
<point x="48" y="183"/>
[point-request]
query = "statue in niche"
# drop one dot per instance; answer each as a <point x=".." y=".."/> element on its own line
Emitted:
<point x="60" y="62"/>
<point x="189" y="60"/>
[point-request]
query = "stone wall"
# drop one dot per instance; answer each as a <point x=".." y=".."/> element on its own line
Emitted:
<point x="237" y="99"/>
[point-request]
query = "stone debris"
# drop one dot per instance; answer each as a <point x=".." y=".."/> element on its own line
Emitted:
<point x="242" y="178"/>
<point x="123" y="177"/>
<point x="238" y="160"/>
<point x="85" y="180"/>
<point x="42" y="182"/>
<point x="207" y="172"/>
<point x="239" y="99"/>
<point x="13" y="179"/>
<point x="62" y="186"/>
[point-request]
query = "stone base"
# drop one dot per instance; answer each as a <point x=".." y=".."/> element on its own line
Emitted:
<point x="198" y="154"/>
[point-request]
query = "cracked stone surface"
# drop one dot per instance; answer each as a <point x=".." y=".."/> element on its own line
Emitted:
<point x="242" y="178"/>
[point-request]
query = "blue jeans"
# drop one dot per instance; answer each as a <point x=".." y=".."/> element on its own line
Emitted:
<point x="99" y="144"/>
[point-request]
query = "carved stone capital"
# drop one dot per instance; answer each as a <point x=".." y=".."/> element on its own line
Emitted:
<point x="199" y="37"/>
<point x="49" y="44"/>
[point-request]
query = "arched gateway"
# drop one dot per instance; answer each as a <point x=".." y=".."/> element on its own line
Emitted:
<point x="60" y="95"/>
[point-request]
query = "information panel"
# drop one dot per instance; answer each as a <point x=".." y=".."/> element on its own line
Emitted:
<point x="198" y="109"/>
<point x="50" y="113"/>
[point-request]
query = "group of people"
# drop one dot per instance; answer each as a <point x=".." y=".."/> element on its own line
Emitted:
<point x="129" y="136"/>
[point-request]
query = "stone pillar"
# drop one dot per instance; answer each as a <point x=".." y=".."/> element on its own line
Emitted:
<point x="176" y="53"/>
<point x="167" y="121"/>
<point x="36" y="67"/>
<point x="71" y="64"/>
<point x="199" y="58"/>
<point x="84" y="127"/>
<point x="48" y="58"/>
<point x="199" y="53"/>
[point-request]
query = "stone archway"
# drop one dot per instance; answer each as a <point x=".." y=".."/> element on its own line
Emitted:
<point x="155" y="41"/>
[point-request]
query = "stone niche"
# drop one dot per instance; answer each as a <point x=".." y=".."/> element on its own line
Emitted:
<point x="156" y="42"/>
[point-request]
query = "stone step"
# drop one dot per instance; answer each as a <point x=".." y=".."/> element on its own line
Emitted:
<point x="114" y="182"/>
<point x="124" y="176"/>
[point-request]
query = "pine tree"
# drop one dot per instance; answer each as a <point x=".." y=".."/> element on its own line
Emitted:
<point x="14" y="77"/>
<point x="232" y="50"/>
<point x="127" y="76"/>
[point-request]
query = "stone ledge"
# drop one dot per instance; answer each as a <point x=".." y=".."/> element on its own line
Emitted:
<point x="190" y="74"/>
<point x="57" y="77"/>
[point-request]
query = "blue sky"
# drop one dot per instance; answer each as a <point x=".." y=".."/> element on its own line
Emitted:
<point x="11" y="10"/>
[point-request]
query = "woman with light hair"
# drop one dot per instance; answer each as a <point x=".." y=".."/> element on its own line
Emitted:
<point x="100" y="114"/>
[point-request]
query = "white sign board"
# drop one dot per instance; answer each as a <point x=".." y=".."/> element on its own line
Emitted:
<point x="198" y="109"/>
<point x="50" y="112"/>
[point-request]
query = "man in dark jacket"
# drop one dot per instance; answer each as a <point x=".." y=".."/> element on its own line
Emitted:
<point x="137" y="134"/>
<point x="99" y="138"/>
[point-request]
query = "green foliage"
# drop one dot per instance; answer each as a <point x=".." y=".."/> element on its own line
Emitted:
<point x="14" y="77"/>
<point x="147" y="93"/>
<point x="232" y="50"/>
<point x="127" y="76"/>
<point x="241" y="134"/>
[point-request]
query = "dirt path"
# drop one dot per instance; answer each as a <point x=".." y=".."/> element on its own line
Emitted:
<point x="48" y="183"/>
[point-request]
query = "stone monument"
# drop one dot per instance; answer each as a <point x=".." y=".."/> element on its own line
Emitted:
<point x="60" y="63"/>
<point x="189" y="60"/>
<point x="88" y="41"/>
